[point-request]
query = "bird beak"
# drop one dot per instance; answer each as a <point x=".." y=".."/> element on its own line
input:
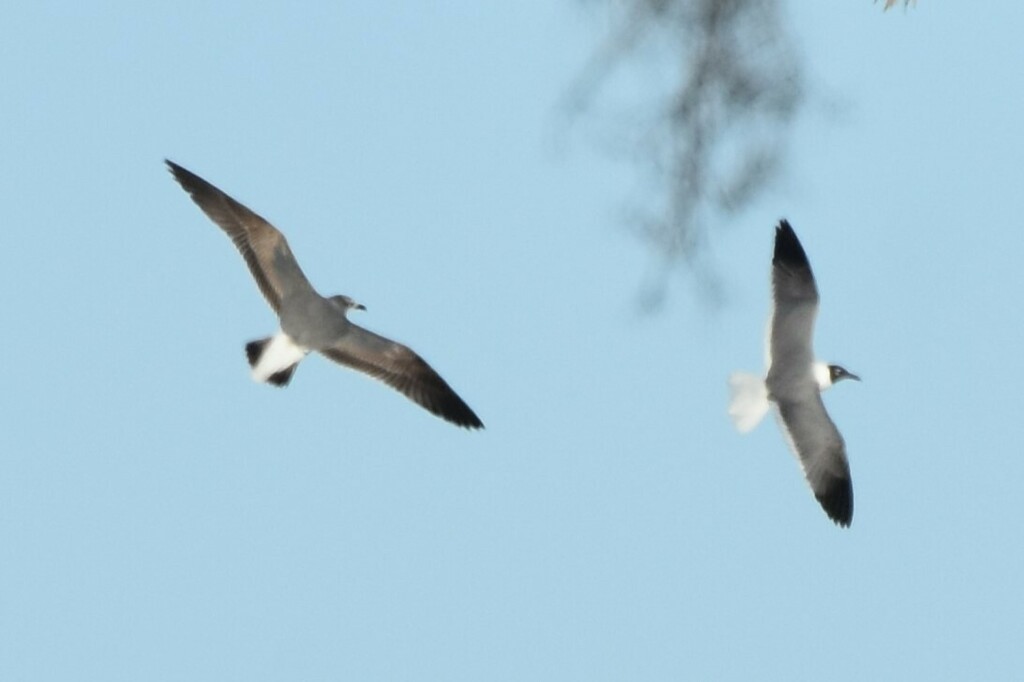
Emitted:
<point x="851" y="375"/>
<point x="360" y="306"/>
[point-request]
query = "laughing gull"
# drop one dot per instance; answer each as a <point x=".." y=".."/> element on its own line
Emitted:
<point x="795" y="380"/>
<point x="311" y="322"/>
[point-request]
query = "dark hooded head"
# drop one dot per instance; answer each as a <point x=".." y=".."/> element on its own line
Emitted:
<point x="837" y="373"/>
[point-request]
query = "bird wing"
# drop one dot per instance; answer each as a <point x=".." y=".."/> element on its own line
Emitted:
<point x="263" y="247"/>
<point x="821" y="451"/>
<point x="401" y="368"/>
<point x="794" y="306"/>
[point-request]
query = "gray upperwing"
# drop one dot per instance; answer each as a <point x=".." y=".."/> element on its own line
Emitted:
<point x="263" y="247"/>
<point x="401" y="368"/>
<point x="791" y="349"/>
<point x="822" y="453"/>
<point x="794" y="305"/>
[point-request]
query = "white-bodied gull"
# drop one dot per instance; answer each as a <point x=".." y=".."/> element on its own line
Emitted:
<point x="311" y="322"/>
<point x="795" y="380"/>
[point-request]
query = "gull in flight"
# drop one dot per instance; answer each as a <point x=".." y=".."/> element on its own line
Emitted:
<point x="794" y="381"/>
<point x="311" y="322"/>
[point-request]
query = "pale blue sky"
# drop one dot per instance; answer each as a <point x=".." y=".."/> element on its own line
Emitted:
<point x="162" y="517"/>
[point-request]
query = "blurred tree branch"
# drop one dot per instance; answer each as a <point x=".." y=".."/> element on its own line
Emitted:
<point x="890" y="3"/>
<point x="716" y="135"/>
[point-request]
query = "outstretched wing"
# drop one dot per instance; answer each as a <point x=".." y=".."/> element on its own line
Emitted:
<point x="794" y="307"/>
<point x="263" y="247"/>
<point x="402" y="369"/>
<point x="818" y="445"/>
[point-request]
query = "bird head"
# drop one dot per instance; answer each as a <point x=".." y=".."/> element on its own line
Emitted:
<point x="837" y="373"/>
<point x="346" y="303"/>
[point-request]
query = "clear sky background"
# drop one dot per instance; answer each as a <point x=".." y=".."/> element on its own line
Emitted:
<point x="162" y="517"/>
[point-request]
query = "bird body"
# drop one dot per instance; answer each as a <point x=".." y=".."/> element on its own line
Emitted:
<point x="794" y="381"/>
<point x="333" y="323"/>
<point x="311" y="322"/>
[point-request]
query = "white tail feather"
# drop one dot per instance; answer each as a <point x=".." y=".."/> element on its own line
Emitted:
<point x="748" y="401"/>
<point x="280" y="354"/>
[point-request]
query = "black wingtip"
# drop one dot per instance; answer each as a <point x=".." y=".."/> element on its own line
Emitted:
<point x="788" y="250"/>
<point x="445" y="403"/>
<point x="456" y="411"/>
<point x="472" y="422"/>
<point x="837" y="501"/>
<point x="177" y="171"/>
<point x="254" y="350"/>
<point x="191" y="183"/>
<point x="281" y="379"/>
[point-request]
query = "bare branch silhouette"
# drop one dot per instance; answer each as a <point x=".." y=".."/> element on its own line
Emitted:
<point x="890" y="3"/>
<point x="717" y="136"/>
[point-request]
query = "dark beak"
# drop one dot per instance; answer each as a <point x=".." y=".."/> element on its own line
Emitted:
<point x="360" y="306"/>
